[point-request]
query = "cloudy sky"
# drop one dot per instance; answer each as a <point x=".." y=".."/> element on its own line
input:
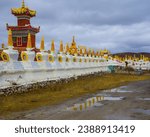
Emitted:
<point x="118" y="25"/>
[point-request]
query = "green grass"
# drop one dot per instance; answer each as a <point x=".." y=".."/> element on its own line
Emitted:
<point x="57" y="93"/>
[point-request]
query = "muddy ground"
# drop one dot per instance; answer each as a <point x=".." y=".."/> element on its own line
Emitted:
<point x="130" y="102"/>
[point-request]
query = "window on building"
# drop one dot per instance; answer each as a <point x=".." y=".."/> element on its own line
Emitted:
<point x="24" y="39"/>
<point x="19" y="41"/>
<point x="14" y="39"/>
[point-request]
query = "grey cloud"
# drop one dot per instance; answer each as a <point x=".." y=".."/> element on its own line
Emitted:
<point x="119" y="25"/>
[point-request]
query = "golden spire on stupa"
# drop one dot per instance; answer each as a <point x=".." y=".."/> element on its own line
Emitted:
<point x="93" y="53"/>
<point x="89" y="52"/>
<point x="3" y="45"/>
<point x="10" y="41"/>
<point x="42" y="47"/>
<point x="61" y="47"/>
<point x="73" y="48"/>
<point x="81" y="52"/>
<point x="141" y="57"/>
<point x="29" y="44"/>
<point x="97" y="54"/>
<point x="73" y="40"/>
<point x="67" y="48"/>
<point x="85" y="53"/>
<point x="53" y="46"/>
<point x="23" y="4"/>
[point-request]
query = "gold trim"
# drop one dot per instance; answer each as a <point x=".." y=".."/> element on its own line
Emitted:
<point x="60" y="59"/>
<point x="74" y="59"/>
<point x="5" y="57"/>
<point x="39" y="57"/>
<point x="51" y="58"/>
<point x="67" y="59"/>
<point x="24" y="56"/>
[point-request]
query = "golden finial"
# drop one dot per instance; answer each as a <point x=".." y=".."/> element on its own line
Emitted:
<point x="97" y="54"/>
<point x="42" y="44"/>
<point x="89" y="52"/>
<point x="93" y="53"/>
<point x="61" y="46"/>
<point x="81" y="52"/>
<point x="29" y="44"/>
<point x="23" y="4"/>
<point x="85" y="51"/>
<point x="143" y="57"/>
<point x="67" y="48"/>
<point x="73" y="40"/>
<point x="3" y="46"/>
<point x="53" y="46"/>
<point x="140" y="57"/>
<point x="10" y="41"/>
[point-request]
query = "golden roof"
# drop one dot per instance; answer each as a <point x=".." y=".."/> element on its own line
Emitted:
<point x="73" y="47"/>
<point x="23" y="10"/>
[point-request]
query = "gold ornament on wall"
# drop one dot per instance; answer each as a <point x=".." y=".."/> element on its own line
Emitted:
<point x="74" y="59"/>
<point x="60" y="59"/>
<point x="51" y="58"/>
<point x="24" y="56"/>
<point x="67" y="59"/>
<point x="5" y="57"/>
<point x="39" y="58"/>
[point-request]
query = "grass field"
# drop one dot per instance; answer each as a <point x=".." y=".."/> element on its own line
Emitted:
<point x="57" y="93"/>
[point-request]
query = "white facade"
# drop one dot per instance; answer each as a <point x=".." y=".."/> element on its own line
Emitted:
<point x="61" y="66"/>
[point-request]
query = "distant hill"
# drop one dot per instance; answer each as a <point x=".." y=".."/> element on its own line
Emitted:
<point x="146" y="54"/>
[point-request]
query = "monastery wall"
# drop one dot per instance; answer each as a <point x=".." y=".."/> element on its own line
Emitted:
<point x="47" y="67"/>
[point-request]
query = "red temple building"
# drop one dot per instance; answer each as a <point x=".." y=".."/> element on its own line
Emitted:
<point x="20" y="32"/>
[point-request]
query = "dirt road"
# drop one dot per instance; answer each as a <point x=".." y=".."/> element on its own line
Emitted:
<point x="124" y="103"/>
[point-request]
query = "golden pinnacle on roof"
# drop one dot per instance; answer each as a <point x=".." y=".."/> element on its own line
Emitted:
<point x="85" y="52"/>
<point x="10" y="41"/>
<point x="3" y="45"/>
<point x="89" y="52"/>
<point x="93" y="53"/>
<point x="29" y="44"/>
<point x="97" y="54"/>
<point x="61" y="46"/>
<point x="81" y="52"/>
<point x="53" y="46"/>
<point x="42" y="47"/>
<point x="23" y="4"/>
<point x="73" y="40"/>
<point x="67" y="48"/>
<point x="23" y="10"/>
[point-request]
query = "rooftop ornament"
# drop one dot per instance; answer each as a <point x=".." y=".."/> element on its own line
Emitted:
<point x="23" y="10"/>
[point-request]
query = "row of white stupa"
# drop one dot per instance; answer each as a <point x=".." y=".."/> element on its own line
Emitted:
<point x="48" y="66"/>
<point x="10" y="54"/>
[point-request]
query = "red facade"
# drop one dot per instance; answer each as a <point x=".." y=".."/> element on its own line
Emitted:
<point x="20" y="32"/>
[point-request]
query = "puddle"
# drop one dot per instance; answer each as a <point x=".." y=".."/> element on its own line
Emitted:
<point x="98" y="104"/>
<point x="113" y="98"/>
<point x="117" y="90"/>
<point x="146" y="99"/>
<point x="92" y="102"/>
<point x="143" y="111"/>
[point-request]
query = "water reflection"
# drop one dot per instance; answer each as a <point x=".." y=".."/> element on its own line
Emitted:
<point x="92" y="102"/>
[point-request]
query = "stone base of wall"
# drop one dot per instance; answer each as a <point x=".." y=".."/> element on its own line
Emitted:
<point x="16" y="89"/>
